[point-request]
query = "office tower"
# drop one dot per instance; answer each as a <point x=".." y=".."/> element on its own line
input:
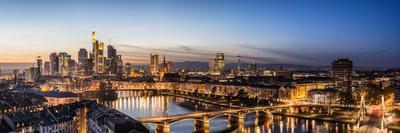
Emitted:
<point x="64" y="64"/>
<point x="211" y="65"/>
<point x="53" y="64"/>
<point x="252" y="68"/>
<point x="98" y="55"/>
<point x="31" y="74"/>
<point x="153" y="64"/>
<point x="342" y="70"/>
<point x="120" y="66"/>
<point x="112" y="60"/>
<point x="46" y="68"/>
<point x="217" y="65"/>
<point x="220" y="64"/>
<point x="82" y="57"/>
<point x="72" y="67"/>
<point x="39" y="64"/>
<point x="83" y="62"/>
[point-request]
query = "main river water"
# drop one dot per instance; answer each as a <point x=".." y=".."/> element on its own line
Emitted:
<point x="137" y="105"/>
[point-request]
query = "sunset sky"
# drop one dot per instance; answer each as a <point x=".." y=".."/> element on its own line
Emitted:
<point x="296" y="32"/>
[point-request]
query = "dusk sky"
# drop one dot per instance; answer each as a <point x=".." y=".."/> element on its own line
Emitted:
<point x="296" y="32"/>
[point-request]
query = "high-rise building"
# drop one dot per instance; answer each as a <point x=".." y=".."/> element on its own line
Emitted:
<point x="342" y="72"/>
<point x="31" y="74"/>
<point x="64" y="64"/>
<point x="82" y="57"/>
<point x="83" y="62"/>
<point x="112" y="60"/>
<point x="39" y="65"/>
<point x="98" y="55"/>
<point x="252" y="68"/>
<point x="120" y="66"/>
<point x="153" y="64"/>
<point x="46" y="68"/>
<point x="53" y="64"/>
<point x="217" y="65"/>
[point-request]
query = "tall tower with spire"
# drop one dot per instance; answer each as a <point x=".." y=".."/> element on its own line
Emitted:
<point x="98" y="54"/>
<point x="238" y="67"/>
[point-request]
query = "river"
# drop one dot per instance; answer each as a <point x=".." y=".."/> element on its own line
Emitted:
<point x="134" y="104"/>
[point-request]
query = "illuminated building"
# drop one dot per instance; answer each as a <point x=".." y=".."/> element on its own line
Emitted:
<point x="83" y="62"/>
<point x="72" y="67"/>
<point x="153" y="64"/>
<point x="53" y="63"/>
<point x="39" y="64"/>
<point x="59" y="98"/>
<point x="64" y="63"/>
<point x="164" y="68"/>
<point x="342" y="70"/>
<point x="217" y="65"/>
<point x="112" y="61"/>
<point x="31" y="74"/>
<point x="98" y="55"/>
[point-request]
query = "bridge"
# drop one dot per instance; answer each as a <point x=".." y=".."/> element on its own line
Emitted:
<point x="235" y="117"/>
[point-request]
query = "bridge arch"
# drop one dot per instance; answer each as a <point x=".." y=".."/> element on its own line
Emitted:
<point x="185" y="119"/>
<point x="216" y="116"/>
<point x="255" y="111"/>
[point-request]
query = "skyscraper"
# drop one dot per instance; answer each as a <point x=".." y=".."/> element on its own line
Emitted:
<point x="53" y="63"/>
<point x="120" y="66"/>
<point x="112" y="60"/>
<point x="98" y="55"/>
<point x="83" y="62"/>
<point x="342" y="71"/>
<point x="153" y="64"/>
<point x="217" y="65"/>
<point x="64" y="64"/>
<point x="46" y="68"/>
<point x="39" y="65"/>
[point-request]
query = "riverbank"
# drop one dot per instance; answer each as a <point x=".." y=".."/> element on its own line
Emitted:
<point x="322" y="117"/>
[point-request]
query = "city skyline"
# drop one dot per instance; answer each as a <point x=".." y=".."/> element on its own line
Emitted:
<point x="282" y="33"/>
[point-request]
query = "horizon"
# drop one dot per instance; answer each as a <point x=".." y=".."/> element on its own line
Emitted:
<point x="305" y="33"/>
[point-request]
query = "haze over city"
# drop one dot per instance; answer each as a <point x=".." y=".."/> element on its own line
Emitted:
<point x="292" y="32"/>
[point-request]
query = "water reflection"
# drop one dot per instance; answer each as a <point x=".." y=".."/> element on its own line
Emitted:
<point x="138" y="105"/>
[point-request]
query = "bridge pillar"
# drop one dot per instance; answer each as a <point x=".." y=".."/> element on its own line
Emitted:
<point x="163" y="128"/>
<point x="202" y="125"/>
<point x="232" y="121"/>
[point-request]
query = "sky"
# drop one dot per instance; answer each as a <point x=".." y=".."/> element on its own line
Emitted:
<point x="282" y="31"/>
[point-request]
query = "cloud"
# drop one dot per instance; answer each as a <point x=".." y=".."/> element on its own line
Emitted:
<point x="185" y="53"/>
<point x="283" y="54"/>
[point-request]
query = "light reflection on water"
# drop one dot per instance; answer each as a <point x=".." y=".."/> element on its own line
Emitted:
<point x="136" y="105"/>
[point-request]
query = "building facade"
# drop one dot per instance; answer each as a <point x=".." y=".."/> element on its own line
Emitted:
<point x="342" y="72"/>
<point x="154" y="64"/>
<point x="98" y="55"/>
